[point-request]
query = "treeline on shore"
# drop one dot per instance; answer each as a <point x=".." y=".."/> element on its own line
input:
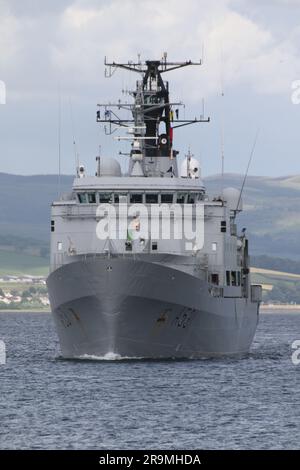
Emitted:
<point x="283" y="293"/>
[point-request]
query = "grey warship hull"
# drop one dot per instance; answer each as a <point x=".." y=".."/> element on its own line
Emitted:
<point x="125" y="308"/>
<point x="145" y="264"/>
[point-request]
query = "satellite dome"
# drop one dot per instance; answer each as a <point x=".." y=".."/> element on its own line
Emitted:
<point x="190" y="168"/>
<point x="110" y="167"/>
<point x="233" y="199"/>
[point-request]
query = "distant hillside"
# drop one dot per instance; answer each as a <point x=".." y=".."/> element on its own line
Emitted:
<point x="25" y="204"/>
<point x="271" y="212"/>
<point x="276" y="264"/>
<point x="23" y="264"/>
<point x="278" y="286"/>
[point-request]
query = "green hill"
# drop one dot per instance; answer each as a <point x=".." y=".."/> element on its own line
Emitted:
<point x="25" y="203"/>
<point x="19" y="263"/>
<point x="271" y="212"/>
<point x="277" y="286"/>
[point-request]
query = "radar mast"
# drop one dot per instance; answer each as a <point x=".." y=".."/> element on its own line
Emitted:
<point x="153" y="117"/>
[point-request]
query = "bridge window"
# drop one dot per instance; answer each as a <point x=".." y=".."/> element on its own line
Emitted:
<point x="136" y="198"/>
<point x="181" y="198"/>
<point x="166" y="198"/>
<point x="105" y="198"/>
<point x="82" y="197"/>
<point x="233" y="278"/>
<point x="121" y="198"/>
<point x="151" y="198"/>
<point x="92" y="198"/>
<point x="191" y="198"/>
<point x="215" y="279"/>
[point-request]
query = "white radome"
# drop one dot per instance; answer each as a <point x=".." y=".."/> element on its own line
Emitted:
<point x="190" y="168"/>
<point x="232" y="197"/>
<point x="110" y="167"/>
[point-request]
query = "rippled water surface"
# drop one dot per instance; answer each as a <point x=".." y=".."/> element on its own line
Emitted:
<point x="49" y="403"/>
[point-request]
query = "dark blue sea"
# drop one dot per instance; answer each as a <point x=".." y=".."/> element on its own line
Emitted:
<point x="50" y="403"/>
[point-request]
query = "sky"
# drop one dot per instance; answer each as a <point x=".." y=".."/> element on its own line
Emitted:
<point x="52" y="52"/>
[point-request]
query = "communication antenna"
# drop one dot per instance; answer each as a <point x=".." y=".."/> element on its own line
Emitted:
<point x="222" y="118"/>
<point x="59" y="141"/>
<point x="76" y="155"/>
<point x="247" y="170"/>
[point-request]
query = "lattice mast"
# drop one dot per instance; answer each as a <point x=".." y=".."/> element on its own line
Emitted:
<point x="153" y="117"/>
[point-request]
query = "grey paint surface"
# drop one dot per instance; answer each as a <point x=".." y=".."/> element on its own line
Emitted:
<point x="129" y="308"/>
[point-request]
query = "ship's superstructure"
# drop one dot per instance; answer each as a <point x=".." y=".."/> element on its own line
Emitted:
<point x="144" y="264"/>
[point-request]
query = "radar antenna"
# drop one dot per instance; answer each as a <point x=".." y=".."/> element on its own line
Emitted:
<point x="152" y="116"/>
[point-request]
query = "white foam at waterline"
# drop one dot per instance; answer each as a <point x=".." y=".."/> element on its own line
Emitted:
<point x="110" y="356"/>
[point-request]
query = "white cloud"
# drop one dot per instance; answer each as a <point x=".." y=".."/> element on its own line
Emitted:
<point x="69" y="45"/>
<point x="251" y="55"/>
<point x="9" y="46"/>
<point x="65" y="42"/>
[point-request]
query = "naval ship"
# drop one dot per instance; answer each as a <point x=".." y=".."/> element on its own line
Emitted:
<point x="144" y="264"/>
